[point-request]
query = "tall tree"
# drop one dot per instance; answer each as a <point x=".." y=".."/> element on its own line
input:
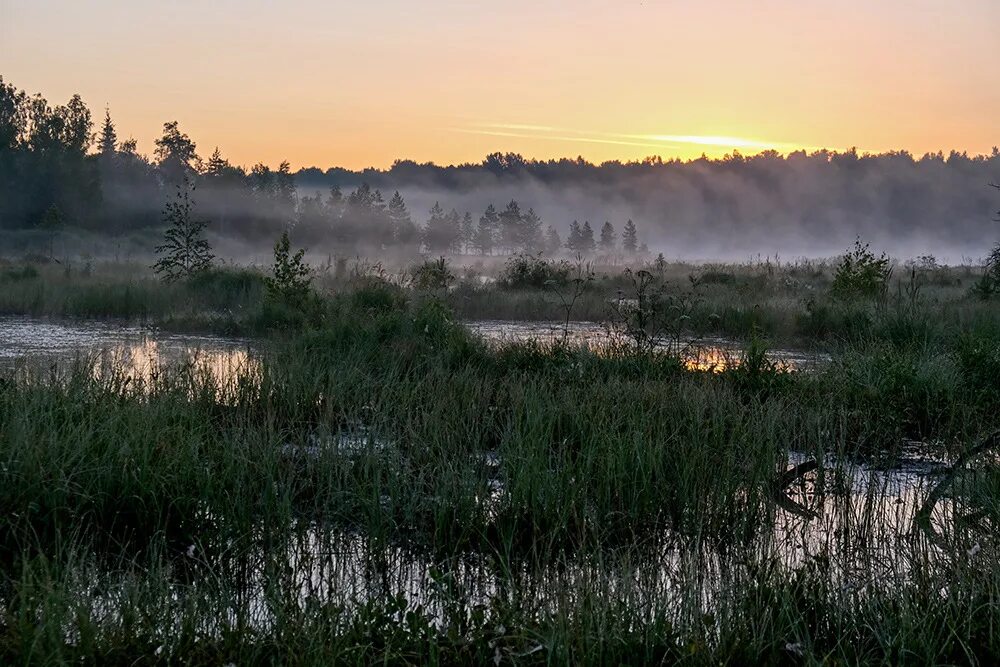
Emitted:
<point x="468" y="232"/>
<point x="552" y="241"/>
<point x="630" y="241"/>
<point x="608" y="238"/>
<point x="511" y="224"/>
<point x="574" y="241"/>
<point x="176" y="154"/>
<point x="107" y="142"/>
<point x="404" y="231"/>
<point x="586" y="238"/>
<point x="442" y="232"/>
<point x="531" y="232"/>
<point x="486" y="231"/>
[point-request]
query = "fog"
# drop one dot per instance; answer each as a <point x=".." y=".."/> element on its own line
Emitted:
<point x="736" y="208"/>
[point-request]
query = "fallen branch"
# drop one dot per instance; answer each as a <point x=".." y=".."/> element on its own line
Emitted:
<point x="923" y="516"/>
<point x="785" y="480"/>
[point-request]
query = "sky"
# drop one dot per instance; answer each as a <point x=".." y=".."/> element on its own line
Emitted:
<point x="325" y="83"/>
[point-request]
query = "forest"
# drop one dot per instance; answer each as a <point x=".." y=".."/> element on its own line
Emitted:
<point x="62" y="168"/>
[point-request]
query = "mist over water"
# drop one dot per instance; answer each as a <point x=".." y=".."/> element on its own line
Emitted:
<point x="731" y="209"/>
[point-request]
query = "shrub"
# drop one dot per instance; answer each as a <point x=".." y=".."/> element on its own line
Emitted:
<point x="291" y="282"/>
<point x="26" y="272"/>
<point x="525" y="271"/>
<point x="433" y="274"/>
<point x="861" y="273"/>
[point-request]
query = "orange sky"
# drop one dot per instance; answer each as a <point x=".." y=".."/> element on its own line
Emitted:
<point x="326" y="83"/>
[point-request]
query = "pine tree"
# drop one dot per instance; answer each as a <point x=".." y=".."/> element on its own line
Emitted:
<point x="443" y="231"/>
<point x="510" y="227"/>
<point x="107" y="144"/>
<point x="552" y="241"/>
<point x="607" y="238"/>
<point x="184" y="250"/>
<point x="531" y="232"/>
<point x="573" y="243"/>
<point x="486" y="232"/>
<point x="176" y="154"/>
<point x="468" y="232"/>
<point x="586" y="239"/>
<point x="630" y="242"/>
<point x="405" y="233"/>
<point x="217" y="166"/>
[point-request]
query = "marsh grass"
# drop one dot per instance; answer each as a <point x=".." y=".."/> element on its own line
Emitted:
<point x="385" y="487"/>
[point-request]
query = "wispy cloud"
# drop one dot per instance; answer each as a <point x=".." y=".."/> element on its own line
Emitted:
<point x="656" y="141"/>
<point x="714" y="140"/>
<point x="558" y="137"/>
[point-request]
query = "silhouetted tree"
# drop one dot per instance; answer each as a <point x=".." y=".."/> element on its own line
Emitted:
<point x="290" y="279"/>
<point x="486" y="231"/>
<point x="552" y="241"/>
<point x="107" y="143"/>
<point x="442" y="232"/>
<point x="184" y="250"/>
<point x="586" y="239"/>
<point x="531" y="232"/>
<point x="511" y="227"/>
<point x="405" y="232"/>
<point x="574" y="243"/>
<point x="468" y="232"/>
<point x="630" y="241"/>
<point x="607" y="238"/>
<point x="176" y="154"/>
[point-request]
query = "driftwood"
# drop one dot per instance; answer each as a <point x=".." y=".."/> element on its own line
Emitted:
<point x="923" y="516"/>
<point x="785" y="480"/>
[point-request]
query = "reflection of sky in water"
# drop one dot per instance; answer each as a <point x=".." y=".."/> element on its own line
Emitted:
<point x="129" y="351"/>
<point x="704" y="354"/>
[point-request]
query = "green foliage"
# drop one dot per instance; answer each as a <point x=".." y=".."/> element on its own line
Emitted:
<point x="523" y="271"/>
<point x="433" y="275"/>
<point x="290" y="282"/>
<point x="988" y="284"/>
<point x="18" y="274"/>
<point x="860" y="273"/>
<point x="185" y="251"/>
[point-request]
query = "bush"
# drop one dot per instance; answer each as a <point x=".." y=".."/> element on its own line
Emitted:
<point x="861" y="273"/>
<point x="291" y="283"/>
<point x="26" y="272"/>
<point x="433" y="274"/>
<point x="524" y="271"/>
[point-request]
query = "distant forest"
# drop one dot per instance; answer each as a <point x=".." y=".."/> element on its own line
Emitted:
<point x="61" y="169"/>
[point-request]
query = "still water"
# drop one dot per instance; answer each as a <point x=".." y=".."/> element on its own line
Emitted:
<point x="703" y="354"/>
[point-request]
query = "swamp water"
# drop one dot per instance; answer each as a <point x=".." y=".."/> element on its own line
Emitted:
<point x="856" y="518"/>
<point x="702" y="354"/>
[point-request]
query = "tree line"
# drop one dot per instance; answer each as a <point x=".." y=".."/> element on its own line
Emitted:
<point x="57" y="169"/>
<point x="61" y="167"/>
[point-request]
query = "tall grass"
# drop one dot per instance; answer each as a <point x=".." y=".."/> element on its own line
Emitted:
<point x="385" y="487"/>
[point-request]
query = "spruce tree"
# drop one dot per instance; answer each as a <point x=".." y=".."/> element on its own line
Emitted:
<point x="468" y="232"/>
<point x="630" y="243"/>
<point x="607" y="238"/>
<point x="532" y="238"/>
<point x="405" y="233"/>
<point x="552" y="241"/>
<point x="486" y="232"/>
<point x="185" y="250"/>
<point x="573" y="243"/>
<point x="511" y="227"/>
<point x="107" y="144"/>
<point x="586" y="238"/>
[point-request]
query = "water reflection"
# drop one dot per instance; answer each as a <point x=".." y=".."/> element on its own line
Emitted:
<point x="710" y="354"/>
<point x="110" y="351"/>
